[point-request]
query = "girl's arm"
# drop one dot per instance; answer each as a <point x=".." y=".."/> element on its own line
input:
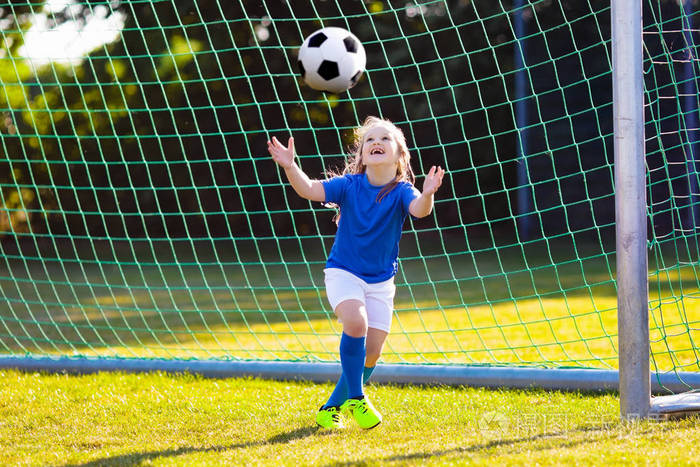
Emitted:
<point x="284" y="157"/>
<point x="423" y="205"/>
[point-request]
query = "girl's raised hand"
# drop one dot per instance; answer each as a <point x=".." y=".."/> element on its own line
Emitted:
<point x="282" y="155"/>
<point x="433" y="180"/>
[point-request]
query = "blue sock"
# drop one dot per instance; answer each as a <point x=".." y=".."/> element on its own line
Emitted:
<point x="340" y="393"/>
<point x="367" y="373"/>
<point x="352" y="359"/>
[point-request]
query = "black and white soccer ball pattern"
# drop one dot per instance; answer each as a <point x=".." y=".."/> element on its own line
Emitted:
<point x="332" y="60"/>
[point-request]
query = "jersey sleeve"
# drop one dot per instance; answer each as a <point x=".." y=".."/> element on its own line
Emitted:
<point x="408" y="194"/>
<point x="335" y="189"/>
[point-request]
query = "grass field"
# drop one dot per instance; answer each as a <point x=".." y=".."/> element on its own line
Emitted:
<point x="158" y="419"/>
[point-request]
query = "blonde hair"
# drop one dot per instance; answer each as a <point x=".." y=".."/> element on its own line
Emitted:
<point x="354" y="164"/>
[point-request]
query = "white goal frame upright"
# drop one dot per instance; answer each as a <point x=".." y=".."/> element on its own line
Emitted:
<point x="630" y="209"/>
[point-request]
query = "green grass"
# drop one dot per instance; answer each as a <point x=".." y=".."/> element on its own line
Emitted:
<point x="159" y="419"/>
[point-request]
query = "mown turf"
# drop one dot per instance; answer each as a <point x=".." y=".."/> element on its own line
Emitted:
<point x="159" y="419"/>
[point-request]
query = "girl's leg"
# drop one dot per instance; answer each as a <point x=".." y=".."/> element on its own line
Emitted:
<point x="353" y="315"/>
<point x="380" y="305"/>
<point x="374" y="343"/>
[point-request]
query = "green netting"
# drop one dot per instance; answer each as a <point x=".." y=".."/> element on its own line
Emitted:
<point x="671" y="69"/>
<point x="142" y="217"/>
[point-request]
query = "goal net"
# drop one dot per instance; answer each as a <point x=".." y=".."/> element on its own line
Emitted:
<point x="141" y="217"/>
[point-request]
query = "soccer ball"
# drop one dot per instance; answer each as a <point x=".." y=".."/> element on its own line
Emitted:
<point x="332" y="60"/>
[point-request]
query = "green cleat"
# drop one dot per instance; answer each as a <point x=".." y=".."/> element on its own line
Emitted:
<point x="330" y="417"/>
<point x="363" y="412"/>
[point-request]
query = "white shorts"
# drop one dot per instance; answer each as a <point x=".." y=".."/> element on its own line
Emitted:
<point x="378" y="298"/>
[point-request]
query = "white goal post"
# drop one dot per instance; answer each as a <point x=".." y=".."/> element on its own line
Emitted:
<point x="630" y="209"/>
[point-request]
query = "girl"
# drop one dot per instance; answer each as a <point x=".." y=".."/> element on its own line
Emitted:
<point x="374" y="194"/>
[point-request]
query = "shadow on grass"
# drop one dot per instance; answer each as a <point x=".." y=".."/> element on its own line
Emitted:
<point x="138" y="458"/>
<point x="483" y="448"/>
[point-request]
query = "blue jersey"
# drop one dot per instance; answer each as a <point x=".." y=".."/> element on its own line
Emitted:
<point x="367" y="241"/>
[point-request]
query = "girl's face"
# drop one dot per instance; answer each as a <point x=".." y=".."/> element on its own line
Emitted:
<point x="379" y="147"/>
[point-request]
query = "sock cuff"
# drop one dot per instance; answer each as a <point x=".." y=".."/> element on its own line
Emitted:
<point x="349" y="338"/>
<point x="352" y="345"/>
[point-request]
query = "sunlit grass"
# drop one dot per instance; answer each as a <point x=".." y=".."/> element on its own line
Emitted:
<point x="157" y="419"/>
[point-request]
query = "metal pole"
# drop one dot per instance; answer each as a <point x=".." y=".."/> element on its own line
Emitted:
<point x="690" y="110"/>
<point x="559" y="379"/>
<point x="524" y="197"/>
<point x="630" y="210"/>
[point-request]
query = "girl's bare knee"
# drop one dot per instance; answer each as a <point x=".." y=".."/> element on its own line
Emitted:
<point x="353" y="316"/>
<point x="355" y="328"/>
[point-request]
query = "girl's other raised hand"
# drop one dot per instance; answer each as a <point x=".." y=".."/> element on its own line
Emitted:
<point x="433" y="180"/>
<point x="282" y="155"/>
